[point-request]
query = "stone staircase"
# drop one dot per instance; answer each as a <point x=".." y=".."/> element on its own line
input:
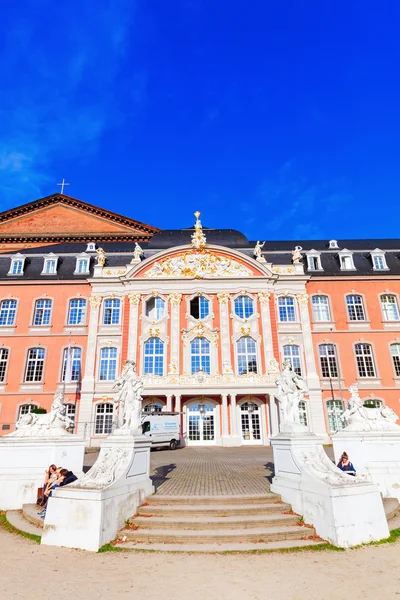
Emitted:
<point x="216" y="524"/>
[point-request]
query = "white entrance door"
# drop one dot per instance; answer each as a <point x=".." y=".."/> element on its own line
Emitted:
<point x="250" y="423"/>
<point x="201" y="429"/>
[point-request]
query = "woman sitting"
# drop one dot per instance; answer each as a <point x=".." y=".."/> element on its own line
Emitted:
<point x="345" y="465"/>
<point x="50" y="475"/>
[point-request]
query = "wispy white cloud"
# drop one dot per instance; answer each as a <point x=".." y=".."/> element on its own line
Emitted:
<point x="59" y="73"/>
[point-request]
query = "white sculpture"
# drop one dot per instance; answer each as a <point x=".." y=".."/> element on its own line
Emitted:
<point x="361" y="418"/>
<point x="297" y="255"/>
<point x="101" y="257"/>
<point x="129" y="388"/>
<point x="291" y="391"/>
<point x="53" y="424"/>
<point x="258" y="252"/>
<point x="137" y="254"/>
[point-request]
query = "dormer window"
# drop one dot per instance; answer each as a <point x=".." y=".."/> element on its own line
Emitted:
<point x="346" y="260"/>
<point x="333" y="245"/>
<point x="378" y="260"/>
<point x="17" y="265"/>
<point x="314" y="261"/>
<point x="91" y="247"/>
<point x="82" y="264"/>
<point x="50" y="264"/>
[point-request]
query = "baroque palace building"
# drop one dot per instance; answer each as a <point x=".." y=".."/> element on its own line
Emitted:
<point x="207" y="315"/>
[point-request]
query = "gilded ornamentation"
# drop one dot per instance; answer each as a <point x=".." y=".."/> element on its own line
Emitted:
<point x="200" y="331"/>
<point x="198" y="265"/>
<point x="283" y="270"/>
<point x="223" y="297"/>
<point x="134" y="299"/>
<point x="245" y="330"/>
<point x="114" y="272"/>
<point x="198" y="238"/>
<point x="175" y="299"/>
<point x="173" y="368"/>
<point x="94" y="301"/>
<point x="302" y="299"/>
<point x="154" y="331"/>
<point x="263" y="297"/>
<point x="101" y="257"/>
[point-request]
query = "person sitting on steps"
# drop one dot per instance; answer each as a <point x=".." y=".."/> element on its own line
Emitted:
<point x="345" y="465"/>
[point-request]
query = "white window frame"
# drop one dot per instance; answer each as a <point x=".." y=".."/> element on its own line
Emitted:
<point x="44" y="311"/>
<point x="48" y="260"/>
<point x="314" y="261"/>
<point x="247" y="354"/>
<point x="116" y="358"/>
<point x="154" y="299"/>
<point x="153" y="355"/>
<point x="353" y="304"/>
<point x="334" y="410"/>
<point x="315" y="306"/>
<point x="97" y="414"/>
<point x="200" y="298"/>
<point x="201" y="354"/>
<point x="79" y="259"/>
<point x="379" y="254"/>
<point x="363" y="359"/>
<point x="4" y="362"/>
<point x="290" y="356"/>
<point x="74" y="360"/>
<point x="240" y="297"/>
<point x="17" y="258"/>
<point x="395" y="304"/>
<point x="328" y="360"/>
<point x="84" y="311"/>
<point x="36" y="361"/>
<point x="22" y="407"/>
<point x="294" y="309"/>
<point x="113" y="309"/>
<point x="393" y="355"/>
<point x="9" y="311"/>
<point x="343" y="255"/>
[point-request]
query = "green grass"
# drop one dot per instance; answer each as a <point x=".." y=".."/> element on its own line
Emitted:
<point x="111" y="548"/>
<point x="393" y="537"/>
<point x="4" y="524"/>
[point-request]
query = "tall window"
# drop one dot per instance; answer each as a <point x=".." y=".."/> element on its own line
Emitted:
<point x="71" y="413"/>
<point x="395" y="352"/>
<point x="4" y="354"/>
<point x="200" y="355"/>
<point x="71" y="364"/>
<point x="286" y="308"/>
<point x="346" y="263"/>
<point x="154" y="357"/>
<point x="303" y="413"/>
<point x="77" y="311"/>
<point x="82" y="265"/>
<point x="379" y="262"/>
<point x="50" y="266"/>
<point x="199" y="307"/>
<point x="17" y="267"/>
<point x="314" y="262"/>
<point x="244" y="307"/>
<point x="365" y="360"/>
<point x="112" y="311"/>
<point x="155" y="308"/>
<point x="35" y="364"/>
<point x="320" y="307"/>
<point x="335" y="409"/>
<point x="327" y="357"/>
<point x="108" y="364"/>
<point x="389" y="307"/>
<point x="292" y="353"/>
<point x="246" y="355"/>
<point x="355" y="308"/>
<point x="25" y="409"/>
<point x="42" y="312"/>
<point x="104" y="418"/>
<point x="8" y="309"/>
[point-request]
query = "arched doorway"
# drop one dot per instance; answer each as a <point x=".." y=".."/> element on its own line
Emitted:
<point x="251" y="421"/>
<point x="201" y="422"/>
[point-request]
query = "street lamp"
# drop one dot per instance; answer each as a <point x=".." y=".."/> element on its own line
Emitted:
<point x="202" y="408"/>
<point x="251" y="407"/>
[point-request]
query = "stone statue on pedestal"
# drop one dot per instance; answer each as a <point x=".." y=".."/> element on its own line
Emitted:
<point x="129" y="388"/>
<point x="137" y="254"/>
<point x="53" y="424"/>
<point x="361" y="418"/>
<point x="291" y="391"/>
<point x="297" y="255"/>
<point x="258" y="252"/>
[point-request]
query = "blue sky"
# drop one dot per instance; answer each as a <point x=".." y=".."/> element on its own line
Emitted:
<point x="280" y="119"/>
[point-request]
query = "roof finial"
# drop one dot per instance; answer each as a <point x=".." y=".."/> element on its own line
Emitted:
<point x="63" y="184"/>
<point x="198" y="238"/>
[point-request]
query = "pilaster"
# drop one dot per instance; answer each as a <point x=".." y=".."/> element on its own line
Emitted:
<point x="223" y="298"/>
<point x="175" y="301"/>
<point x="134" y="300"/>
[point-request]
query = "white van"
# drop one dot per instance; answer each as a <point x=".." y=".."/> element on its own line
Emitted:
<point x="163" y="428"/>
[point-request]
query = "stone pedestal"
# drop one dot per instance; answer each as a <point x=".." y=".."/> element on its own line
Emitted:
<point x="88" y="513"/>
<point x="374" y="453"/>
<point x="344" y="510"/>
<point x="23" y="462"/>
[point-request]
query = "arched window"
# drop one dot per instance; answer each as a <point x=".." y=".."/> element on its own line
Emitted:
<point x="355" y="308"/>
<point x="4" y="356"/>
<point x="286" y="309"/>
<point x="320" y="307"/>
<point x="71" y="365"/>
<point x="25" y="409"/>
<point x="292" y="353"/>
<point x="8" y="309"/>
<point x="154" y="357"/>
<point x="153" y="407"/>
<point x="244" y="307"/>
<point x="365" y="360"/>
<point x="35" y="365"/>
<point x="199" y="307"/>
<point x="246" y="355"/>
<point x="104" y="418"/>
<point x="327" y="357"/>
<point x="155" y="308"/>
<point x="77" y="311"/>
<point x="42" y="312"/>
<point x="200" y="355"/>
<point x="395" y="352"/>
<point x="303" y="413"/>
<point x="112" y="311"/>
<point x="390" y="308"/>
<point x="335" y="409"/>
<point x="108" y="364"/>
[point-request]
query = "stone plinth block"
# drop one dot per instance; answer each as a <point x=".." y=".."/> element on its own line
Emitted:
<point x="88" y="513"/>
<point x="23" y="462"/>
<point x="374" y="453"/>
<point x="344" y="510"/>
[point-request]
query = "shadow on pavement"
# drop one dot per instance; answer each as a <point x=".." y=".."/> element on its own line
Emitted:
<point x="160" y="475"/>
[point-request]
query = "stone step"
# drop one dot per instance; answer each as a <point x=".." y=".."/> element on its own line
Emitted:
<point x="17" y="520"/>
<point x="160" y="499"/>
<point x="392" y="507"/>
<point x="218" y="536"/>
<point x="215" y="510"/>
<point x="30" y="511"/>
<point x="218" y="548"/>
<point x="207" y="522"/>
